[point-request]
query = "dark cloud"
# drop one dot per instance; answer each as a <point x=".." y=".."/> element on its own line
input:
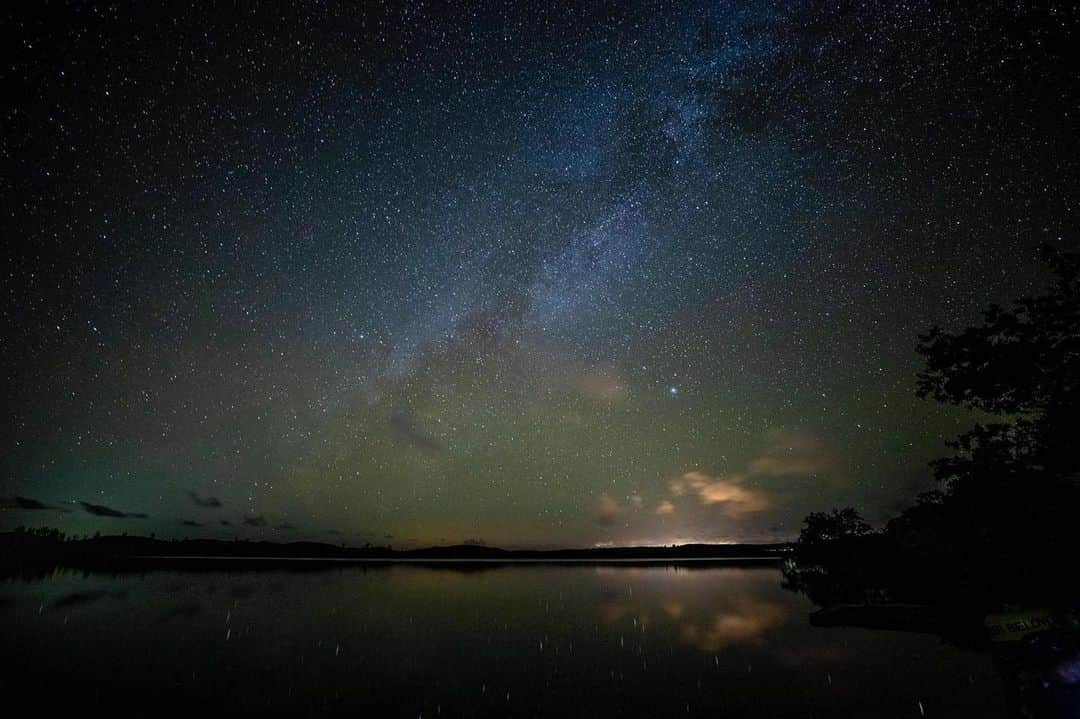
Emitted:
<point x="259" y="521"/>
<point x="204" y="501"/>
<point x="100" y="510"/>
<point x="226" y="523"/>
<point x="28" y="504"/>
<point x="333" y="531"/>
<point x="285" y="526"/>
<point x="405" y="426"/>
<point x="475" y="543"/>
<point x="191" y="523"/>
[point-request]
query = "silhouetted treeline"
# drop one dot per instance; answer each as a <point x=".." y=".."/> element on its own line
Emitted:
<point x="1000" y="527"/>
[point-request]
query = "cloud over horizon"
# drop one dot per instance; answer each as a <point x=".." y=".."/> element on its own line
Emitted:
<point x="100" y="510"/>
<point x="406" y="426"/>
<point x="789" y="452"/>
<point x="727" y="492"/>
<point x="608" y="510"/>
<point x="207" y="502"/>
<point x="27" y="503"/>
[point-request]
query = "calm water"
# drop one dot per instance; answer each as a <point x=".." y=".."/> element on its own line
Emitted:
<point x="508" y="641"/>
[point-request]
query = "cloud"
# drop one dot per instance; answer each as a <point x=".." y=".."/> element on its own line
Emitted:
<point x="728" y="492"/>
<point x="100" y="510"/>
<point x="602" y="387"/>
<point x="678" y="487"/>
<point x="28" y="504"/>
<point x="745" y="623"/>
<point x="406" y="427"/>
<point x="191" y="523"/>
<point x="259" y="521"/>
<point x="786" y="452"/>
<point x="286" y="527"/>
<point x="608" y="510"/>
<point x="204" y="501"/>
<point x="475" y="543"/>
<point x="226" y="523"/>
<point x="793" y="452"/>
<point x="706" y="620"/>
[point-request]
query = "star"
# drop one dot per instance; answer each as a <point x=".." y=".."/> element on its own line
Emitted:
<point x="409" y="271"/>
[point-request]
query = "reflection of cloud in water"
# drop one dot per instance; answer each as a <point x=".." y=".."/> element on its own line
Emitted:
<point x="704" y="613"/>
<point x="747" y="623"/>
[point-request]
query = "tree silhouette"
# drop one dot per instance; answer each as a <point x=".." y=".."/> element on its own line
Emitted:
<point x="825" y="527"/>
<point x="1002" y="518"/>
<point x="1011" y="484"/>
<point x="1022" y="364"/>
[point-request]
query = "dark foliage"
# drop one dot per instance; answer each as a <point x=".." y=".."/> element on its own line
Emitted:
<point x="999" y="526"/>
<point x="825" y="529"/>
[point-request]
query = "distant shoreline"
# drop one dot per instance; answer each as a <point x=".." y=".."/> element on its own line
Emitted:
<point x="30" y="548"/>
<point x="165" y="558"/>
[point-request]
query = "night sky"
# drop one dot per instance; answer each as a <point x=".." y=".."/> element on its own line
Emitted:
<point x="528" y="274"/>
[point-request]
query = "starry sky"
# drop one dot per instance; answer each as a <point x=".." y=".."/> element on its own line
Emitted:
<point x="522" y="273"/>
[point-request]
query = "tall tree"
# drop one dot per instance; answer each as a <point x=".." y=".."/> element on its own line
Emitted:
<point x="1021" y="364"/>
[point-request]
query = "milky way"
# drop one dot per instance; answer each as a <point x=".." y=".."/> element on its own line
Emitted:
<point x="522" y="273"/>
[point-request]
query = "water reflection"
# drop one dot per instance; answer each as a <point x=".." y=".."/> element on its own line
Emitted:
<point x="509" y="641"/>
<point x="707" y="610"/>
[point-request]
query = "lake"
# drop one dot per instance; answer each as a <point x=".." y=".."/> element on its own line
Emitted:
<point x="419" y="641"/>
